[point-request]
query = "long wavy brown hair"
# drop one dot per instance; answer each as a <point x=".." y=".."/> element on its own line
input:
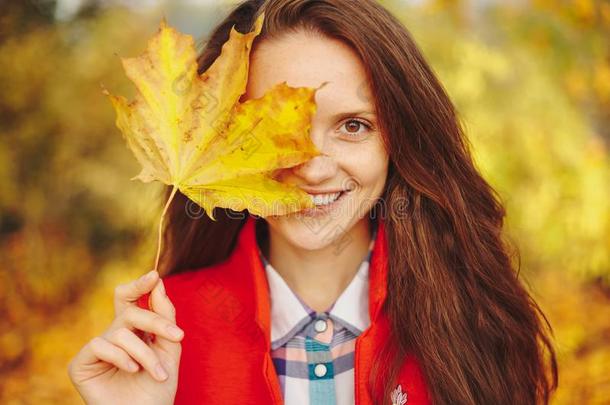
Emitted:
<point x="455" y="300"/>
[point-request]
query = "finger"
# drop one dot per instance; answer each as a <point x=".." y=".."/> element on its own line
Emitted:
<point x="148" y="321"/>
<point x="137" y="349"/>
<point x="160" y="302"/>
<point x="162" y="305"/>
<point x="127" y="294"/>
<point x="99" y="348"/>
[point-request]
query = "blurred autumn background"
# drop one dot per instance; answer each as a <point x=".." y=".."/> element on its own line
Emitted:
<point x="531" y="80"/>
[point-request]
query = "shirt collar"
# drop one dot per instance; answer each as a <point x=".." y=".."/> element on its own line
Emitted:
<point x="289" y="314"/>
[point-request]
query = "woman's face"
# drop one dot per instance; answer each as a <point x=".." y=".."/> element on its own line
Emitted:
<point x="353" y="161"/>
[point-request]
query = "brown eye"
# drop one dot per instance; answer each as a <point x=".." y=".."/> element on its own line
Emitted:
<point x="352" y="126"/>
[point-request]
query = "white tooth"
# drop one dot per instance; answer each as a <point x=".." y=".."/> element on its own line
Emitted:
<point x="324" y="199"/>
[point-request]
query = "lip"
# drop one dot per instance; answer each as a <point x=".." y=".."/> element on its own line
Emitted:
<point x="329" y="191"/>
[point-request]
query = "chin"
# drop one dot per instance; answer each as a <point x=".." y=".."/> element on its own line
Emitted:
<point x="310" y="233"/>
<point x="306" y="242"/>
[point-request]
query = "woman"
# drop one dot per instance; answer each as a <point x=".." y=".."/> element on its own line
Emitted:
<point x="396" y="289"/>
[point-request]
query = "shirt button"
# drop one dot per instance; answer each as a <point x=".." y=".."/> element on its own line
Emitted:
<point x="320" y="370"/>
<point x="320" y="325"/>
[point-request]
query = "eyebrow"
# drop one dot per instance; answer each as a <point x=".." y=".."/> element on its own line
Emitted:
<point x="353" y="113"/>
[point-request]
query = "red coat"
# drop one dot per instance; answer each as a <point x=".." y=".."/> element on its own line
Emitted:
<point x="224" y="311"/>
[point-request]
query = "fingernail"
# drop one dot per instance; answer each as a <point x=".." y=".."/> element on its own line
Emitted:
<point x="132" y="366"/>
<point x="174" y="331"/>
<point x="161" y="286"/>
<point x="161" y="373"/>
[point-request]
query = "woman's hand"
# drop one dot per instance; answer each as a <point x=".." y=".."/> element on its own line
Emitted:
<point x="135" y="361"/>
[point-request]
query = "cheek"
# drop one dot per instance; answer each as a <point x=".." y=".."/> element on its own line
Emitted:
<point x="367" y="164"/>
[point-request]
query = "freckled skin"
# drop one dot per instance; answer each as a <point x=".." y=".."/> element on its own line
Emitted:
<point x="352" y="154"/>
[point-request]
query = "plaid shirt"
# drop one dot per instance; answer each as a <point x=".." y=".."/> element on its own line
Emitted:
<point x="313" y="352"/>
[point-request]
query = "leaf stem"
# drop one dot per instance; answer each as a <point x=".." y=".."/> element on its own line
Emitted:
<point x="169" y="200"/>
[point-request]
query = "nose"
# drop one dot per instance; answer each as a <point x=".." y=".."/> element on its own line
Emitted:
<point x="316" y="170"/>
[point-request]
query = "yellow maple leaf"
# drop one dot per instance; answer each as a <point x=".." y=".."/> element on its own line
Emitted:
<point x="190" y="131"/>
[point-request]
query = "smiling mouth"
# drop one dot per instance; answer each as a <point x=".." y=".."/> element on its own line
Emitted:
<point x="325" y="199"/>
<point x="325" y="203"/>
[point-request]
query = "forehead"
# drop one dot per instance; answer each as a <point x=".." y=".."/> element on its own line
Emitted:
<point x="307" y="59"/>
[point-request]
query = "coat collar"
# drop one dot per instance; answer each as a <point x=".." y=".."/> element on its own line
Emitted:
<point x="248" y="248"/>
